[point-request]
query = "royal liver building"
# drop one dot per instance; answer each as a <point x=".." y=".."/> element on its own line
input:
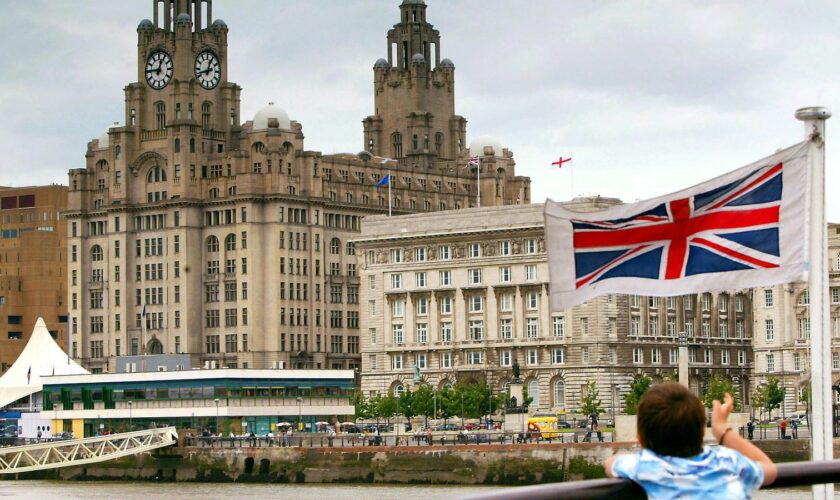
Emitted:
<point x="193" y="231"/>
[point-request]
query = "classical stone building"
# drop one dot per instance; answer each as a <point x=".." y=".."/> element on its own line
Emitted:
<point x="33" y="266"/>
<point x="191" y="232"/>
<point x="783" y="330"/>
<point x="463" y="295"/>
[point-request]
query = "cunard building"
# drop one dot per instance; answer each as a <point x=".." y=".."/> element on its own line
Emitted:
<point x="462" y="296"/>
<point x="194" y="231"/>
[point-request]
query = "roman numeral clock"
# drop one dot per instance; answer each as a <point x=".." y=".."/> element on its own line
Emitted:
<point x="208" y="71"/>
<point x="158" y="69"/>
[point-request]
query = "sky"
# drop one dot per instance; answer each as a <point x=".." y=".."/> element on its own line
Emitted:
<point x="648" y="97"/>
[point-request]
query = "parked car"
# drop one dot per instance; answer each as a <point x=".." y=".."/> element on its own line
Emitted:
<point x="64" y="435"/>
<point x="800" y="418"/>
<point x="564" y="425"/>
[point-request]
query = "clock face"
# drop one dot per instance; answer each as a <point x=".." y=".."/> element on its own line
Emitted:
<point x="158" y="69"/>
<point x="208" y="71"/>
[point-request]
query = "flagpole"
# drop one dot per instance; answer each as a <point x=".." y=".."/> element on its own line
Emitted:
<point x="389" y="193"/>
<point x="143" y="330"/>
<point x="822" y="444"/>
<point x="478" y="181"/>
<point x="571" y="177"/>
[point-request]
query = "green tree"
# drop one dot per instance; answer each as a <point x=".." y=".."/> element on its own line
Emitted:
<point x="424" y="401"/>
<point x="406" y="404"/>
<point x="775" y="395"/>
<point x="717" y="388"/>
<point x="805" y="396"/>
<point x="388" y="406"/>
<point x="637" y="389"/>
<point x="759" y="398"/>
<point x="446" y="403"/>
<point x="589" y="401"/>
<point x="362" y="406"/>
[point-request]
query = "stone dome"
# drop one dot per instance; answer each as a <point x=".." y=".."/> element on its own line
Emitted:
<point x="218" y="23"/>
<point x="183" y="18"/>
<point x="264" y="117"/>
<point x="479" y="143"/>
<point x="413" y="2"/>
<point x="418" y="59"/>
<point x="381" y="63"/>
<point x="447" y="63"/>
<point x="104" y="140"/>
<point x="145" y="24"/>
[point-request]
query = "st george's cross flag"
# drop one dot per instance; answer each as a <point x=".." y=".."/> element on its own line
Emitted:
<point x="740" y="230"/>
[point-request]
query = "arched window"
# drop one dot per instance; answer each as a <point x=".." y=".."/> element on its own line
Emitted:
<point x="534" y="393"/>
<point x="212" y="244"/>
<point x="102" y="165"/>
<point x="206" y="108"/>
<point x="230" y="242"/>
<point x="156" y="174"/>
<point x="439" y="143"/>
<point x="155" y="347"/>
<point x="117" y="151"/>
<point x="396" y="143"/>
<point x="335" y="246"/>
<point x="348" y="197"/>
<point x="160" y="114"/>
<point x="177" y="145"/>
<point x="96" y="253"/>
<point x="351" y="248"/>
<point x="560" y="394"/>
<point x="399" y="389"/>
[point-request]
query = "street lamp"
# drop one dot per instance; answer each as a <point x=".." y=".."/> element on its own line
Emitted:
<point x="130" y="427"/>
<point x="612" y="386"/>
<point x="217" y="415"/>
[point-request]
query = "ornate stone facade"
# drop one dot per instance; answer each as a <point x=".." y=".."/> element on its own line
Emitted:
<point x="783" y="330"/>
<point x="229" y="241"/>
<point x="463" y="295"/>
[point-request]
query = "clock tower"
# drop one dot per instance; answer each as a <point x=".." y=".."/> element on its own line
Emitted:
<point x="182" y="90"/>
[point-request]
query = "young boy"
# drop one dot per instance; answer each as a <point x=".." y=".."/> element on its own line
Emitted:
<point x="673" y="462"/>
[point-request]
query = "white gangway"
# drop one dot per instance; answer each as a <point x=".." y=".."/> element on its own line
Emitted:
<point x="69" y="453"/>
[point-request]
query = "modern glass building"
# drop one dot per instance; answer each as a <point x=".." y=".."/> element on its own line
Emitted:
<point x="224" y="400"/>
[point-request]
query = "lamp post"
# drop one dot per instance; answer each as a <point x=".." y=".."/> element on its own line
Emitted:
<point x="217" y="414"/>
<point x="300" y="423"/>
<point x="682" y="341"/>
<point x="130" y="427"/>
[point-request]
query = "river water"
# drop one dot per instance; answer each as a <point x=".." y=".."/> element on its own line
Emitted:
<point x="148" y="491"/>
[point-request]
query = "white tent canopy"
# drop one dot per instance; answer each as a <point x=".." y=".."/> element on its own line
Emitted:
<point x="41" y="356"/>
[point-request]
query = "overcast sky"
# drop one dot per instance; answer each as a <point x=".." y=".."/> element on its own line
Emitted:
<point x="648" y="96"/>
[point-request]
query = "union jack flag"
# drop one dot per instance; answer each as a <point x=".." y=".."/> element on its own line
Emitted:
<point x="700" y="239"/>
<point x="472" y="162"/>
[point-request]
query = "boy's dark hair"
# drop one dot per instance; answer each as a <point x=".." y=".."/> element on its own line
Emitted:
<point x="671" y="421"/>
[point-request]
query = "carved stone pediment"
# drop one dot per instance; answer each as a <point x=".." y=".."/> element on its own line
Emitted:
<point x="149" y="157"/>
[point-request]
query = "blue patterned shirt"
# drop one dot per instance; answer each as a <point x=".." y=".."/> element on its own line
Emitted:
<point x="716" y="472"/>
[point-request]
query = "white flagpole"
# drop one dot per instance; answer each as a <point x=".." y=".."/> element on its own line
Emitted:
<point x="478" y="181"/>
<point x="571" y="176"/>
<point x="822" y="443"/>
<point x="389" y="193"/>
<point x="143" y="330"/>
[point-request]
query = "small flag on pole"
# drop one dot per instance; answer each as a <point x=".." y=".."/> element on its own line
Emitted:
<point x="561" y="161"/>
<point x="472" y="162"/>
<point x="384" y="181"/>
<point x="29" y="375"/>
<point x="143" y="314"/>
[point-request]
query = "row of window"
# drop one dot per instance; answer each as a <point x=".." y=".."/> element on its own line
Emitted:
<point x="653" y="327"/>
<point x="705" y="302"/>
<point x="475" y="276"/>
<point x="475" y="304"/>
<point x="475" y="330"/>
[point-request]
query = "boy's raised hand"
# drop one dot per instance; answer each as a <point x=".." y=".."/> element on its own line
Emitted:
<point x="720" y="413"/>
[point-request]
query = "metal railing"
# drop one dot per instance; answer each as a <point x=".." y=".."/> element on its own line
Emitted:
<point x="790" y="474"/>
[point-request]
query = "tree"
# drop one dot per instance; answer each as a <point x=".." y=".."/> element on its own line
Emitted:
<point x="362" y="406"/>
<point x="805" y="396"/>
<point x="387" y="406"/>
<point x="759" y="398"/>
<point x="637" y="389"/>
<point x="775" y="395"/>
<point x="406" y="404"/>
<point x="589" y="401"/>
<point x="424" y="401"/>
<point x="717" y="388"/>
<point x="446" y="403"/>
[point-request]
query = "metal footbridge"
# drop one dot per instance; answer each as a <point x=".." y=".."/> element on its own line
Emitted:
<point x="69" y="453"/>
